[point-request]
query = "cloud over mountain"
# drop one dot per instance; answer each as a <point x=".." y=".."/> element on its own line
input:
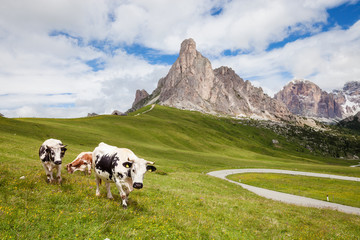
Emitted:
<point x="94" y="54"/>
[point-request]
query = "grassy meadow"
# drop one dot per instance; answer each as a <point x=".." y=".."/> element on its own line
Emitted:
<point x="338" y="191"/>
<point x="178" y="201"/>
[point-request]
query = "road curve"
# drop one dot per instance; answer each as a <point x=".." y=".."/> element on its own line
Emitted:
<point x="289" y="198"/>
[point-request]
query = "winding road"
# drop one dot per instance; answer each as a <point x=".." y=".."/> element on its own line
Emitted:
<point x="289" y="198"/>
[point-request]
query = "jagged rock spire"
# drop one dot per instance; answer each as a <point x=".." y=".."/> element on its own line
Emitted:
<point x="192" y="84"/>
<point x="140" y="95"/>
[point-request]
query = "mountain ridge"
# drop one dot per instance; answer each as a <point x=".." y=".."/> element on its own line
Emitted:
<point x="192" y="84"/>
<point x="305" y="98"/>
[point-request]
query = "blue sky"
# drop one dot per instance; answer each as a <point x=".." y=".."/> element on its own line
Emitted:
<point x="67" y="58"/>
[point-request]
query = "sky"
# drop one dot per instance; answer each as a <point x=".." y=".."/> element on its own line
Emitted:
<point x="68" y="58"/>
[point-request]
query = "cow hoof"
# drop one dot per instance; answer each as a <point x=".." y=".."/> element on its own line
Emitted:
<point x="124" y="206"/>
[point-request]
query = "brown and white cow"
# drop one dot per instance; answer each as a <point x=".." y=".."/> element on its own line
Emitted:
<point x="121" y="166"/>
<point x="82" y="163"/>
<point x="51" y="153"/>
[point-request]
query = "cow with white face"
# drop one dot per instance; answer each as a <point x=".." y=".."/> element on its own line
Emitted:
<point x="51" y="153"/>
<point x="121" y="166"/>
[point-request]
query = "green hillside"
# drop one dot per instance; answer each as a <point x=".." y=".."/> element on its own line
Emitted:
<point x="179" y="200"/>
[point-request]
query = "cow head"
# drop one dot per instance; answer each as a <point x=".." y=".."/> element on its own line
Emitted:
<point x="56" y="153"/>
<point x="138" y="168"/>
<point x="69" y="168"/>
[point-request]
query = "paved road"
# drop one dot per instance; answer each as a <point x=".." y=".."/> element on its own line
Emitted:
<point x="356" y="165"/>
<point x="289" y="198"/>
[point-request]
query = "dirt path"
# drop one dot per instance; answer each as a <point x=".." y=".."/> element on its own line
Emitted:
<point x="152" y="107"/>
<point x="289" y="198"/>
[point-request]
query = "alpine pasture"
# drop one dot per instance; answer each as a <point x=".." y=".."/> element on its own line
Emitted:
<point x="178" y="201"/>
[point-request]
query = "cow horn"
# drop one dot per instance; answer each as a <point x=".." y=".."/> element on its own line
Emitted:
<point x="131" y="160"/>
<point x="62" y="145"/>
<point x="151" y="163"/>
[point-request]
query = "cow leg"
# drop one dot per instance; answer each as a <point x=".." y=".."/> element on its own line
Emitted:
<point x="89" y="168"/>
<point x="58" y="174"/>
<point x="48" y="172"/>
<point x="98" y="182"/>
<point x="109" y="195"/>
<point x="123" y="195"/>
<point x="128" y="189"/>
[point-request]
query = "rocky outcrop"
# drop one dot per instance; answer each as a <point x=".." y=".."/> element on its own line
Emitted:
<point x="118" y="113"/>
<point x="305" y="98"/>
<point x="140" y="95"/>
<point x="92" y="114"/>
<point x="192" y="84"/>
<point x="349" y="98"/>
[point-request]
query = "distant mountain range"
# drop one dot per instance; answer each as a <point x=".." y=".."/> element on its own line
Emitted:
<point x="305" y="98"/>
<point x="192" y="84"/>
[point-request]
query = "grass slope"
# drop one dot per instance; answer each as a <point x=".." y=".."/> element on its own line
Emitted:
<point x="178" y="201"/>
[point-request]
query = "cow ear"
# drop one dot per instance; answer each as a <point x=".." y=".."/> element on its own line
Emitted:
<point x="127" y="164"/>
<point x="47" y="149"/>
<point x="151" y="168"/>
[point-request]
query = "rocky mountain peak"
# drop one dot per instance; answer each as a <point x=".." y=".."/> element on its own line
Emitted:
<point x="140" y="95"/>
<point x="352" y="88"/>
<point x="301" y="97"/>
<point x="349" y="98"/>
<point x="192" y="84"/>
<point x="188" y="46"/>
<point x="191" y="76"/>
<point x="305" y="98"/>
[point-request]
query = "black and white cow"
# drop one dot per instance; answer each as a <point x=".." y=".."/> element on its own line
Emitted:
<point x="119" y="165"/>
<point x="51" y="153"/>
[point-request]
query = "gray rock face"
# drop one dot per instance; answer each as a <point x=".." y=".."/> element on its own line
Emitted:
<point x="118" y="113"/>
<point x="92" y="114"/>
<point x="349" y="98"/>
<point x="140" y="95"/>
<point x="305" y="98"/>
<point x="192" y="84"/>
<point x="189" y="80"/>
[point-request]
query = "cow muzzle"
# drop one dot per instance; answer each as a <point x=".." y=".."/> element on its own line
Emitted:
<point x="57" y="162"/>
<point x="138" y="185"/>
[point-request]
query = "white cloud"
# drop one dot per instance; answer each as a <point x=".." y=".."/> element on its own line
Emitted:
<point x="45" y="47"/>
<point x="329" y="59"/>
